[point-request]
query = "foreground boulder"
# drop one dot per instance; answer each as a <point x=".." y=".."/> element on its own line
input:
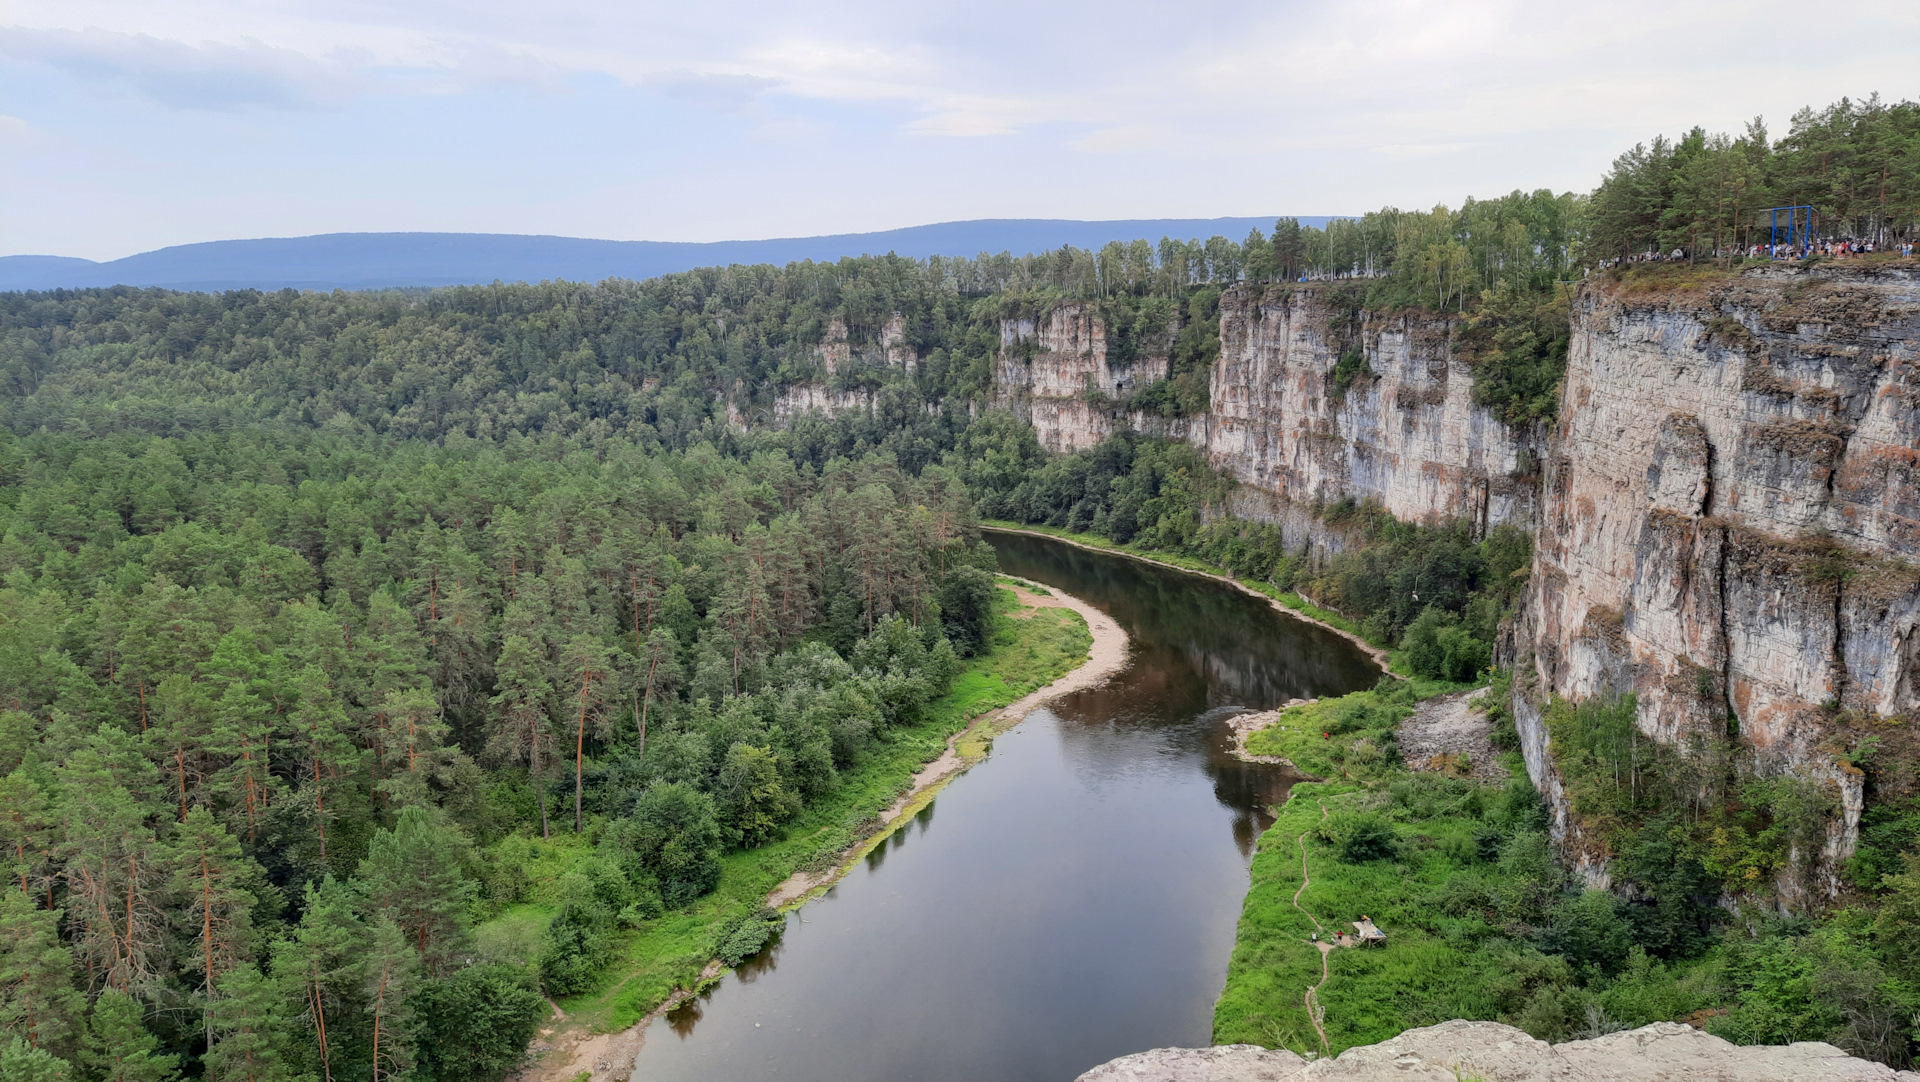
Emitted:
<point x="1460" y="1051"/>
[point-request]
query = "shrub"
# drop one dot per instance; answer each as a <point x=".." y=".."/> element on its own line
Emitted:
<point x="476" y="1023"/>
<point x="744" y="936"/>
<point x="1360" y="838"/>
<point x="673" y="836"/>
<point x="1439" y="648"/>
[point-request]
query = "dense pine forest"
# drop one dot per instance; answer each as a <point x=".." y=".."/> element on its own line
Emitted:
<point x="319" y="609"/>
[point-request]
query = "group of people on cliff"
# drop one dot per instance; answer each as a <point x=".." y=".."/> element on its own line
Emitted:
<point x="1829" y="248"/>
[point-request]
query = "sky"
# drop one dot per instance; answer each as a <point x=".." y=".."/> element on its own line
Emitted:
<point x="127" y="126"/>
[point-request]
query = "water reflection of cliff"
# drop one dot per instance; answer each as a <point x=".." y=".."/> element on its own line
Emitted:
<point x="1209" y="624"/>
<point x="1202" y="652"/>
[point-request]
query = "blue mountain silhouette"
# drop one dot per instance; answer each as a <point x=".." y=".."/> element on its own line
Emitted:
<point x="390" y="260"/>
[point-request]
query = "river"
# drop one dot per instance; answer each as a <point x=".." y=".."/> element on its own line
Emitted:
<point x="1071" y="899"/>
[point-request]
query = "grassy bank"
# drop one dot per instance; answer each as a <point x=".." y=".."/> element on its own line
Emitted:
<point x="1410" y="840"/>
<point x="1031" y="648"/>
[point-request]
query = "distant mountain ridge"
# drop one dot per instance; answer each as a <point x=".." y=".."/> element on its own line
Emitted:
<point x="394" y="260"/>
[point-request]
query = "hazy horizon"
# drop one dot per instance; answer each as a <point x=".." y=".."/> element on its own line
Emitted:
<point x="128" y="128"/>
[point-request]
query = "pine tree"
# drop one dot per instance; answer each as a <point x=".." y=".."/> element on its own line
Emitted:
<point x="318" y="728"/>
<point x="119" y="1048"/>
<point x="321" y="965"/>
<point x="209" y="875"/>
<point x="181" y="730"/>
<point x="21" y="1062"/>
<point x="595" y="685"/>
<point x="28" y="832"/>
<point x="38" y="1001"/>
<point x="522" y="729"/>
<point x="113" y="871"/>
<point x="246" y="1022"/>
<point x="412" y="878"/>
<point x="390" y="649"/>
<point x="660" y="664"/>
<point x="391" y="972"/>
<point x="412" y="746"/>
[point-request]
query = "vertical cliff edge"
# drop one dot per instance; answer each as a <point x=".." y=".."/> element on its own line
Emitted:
<point x="1726" y="512"/>
<point x="1729" y="524"/>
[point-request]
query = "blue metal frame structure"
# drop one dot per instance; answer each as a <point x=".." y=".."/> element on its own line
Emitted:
<point x="1773" y="226"/>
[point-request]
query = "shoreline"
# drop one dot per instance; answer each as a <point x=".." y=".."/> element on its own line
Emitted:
<point x="1377" y="655"/>
<point x="1106" y="655"/>
<point x="600" y="1056"/>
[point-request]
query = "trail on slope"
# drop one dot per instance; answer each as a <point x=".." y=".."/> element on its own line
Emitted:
<point x="1315" y="1012"/>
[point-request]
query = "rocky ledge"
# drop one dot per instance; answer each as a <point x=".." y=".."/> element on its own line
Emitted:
<point x="1488" y="1051"/>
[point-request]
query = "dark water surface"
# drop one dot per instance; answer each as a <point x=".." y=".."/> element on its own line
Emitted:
<point x="1070" y="899"/>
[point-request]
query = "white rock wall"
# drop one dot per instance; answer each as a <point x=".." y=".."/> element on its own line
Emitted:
<point x="1731" y="515"/>
<point x="1049" y="369"/>
<point x="1409" y="437"/>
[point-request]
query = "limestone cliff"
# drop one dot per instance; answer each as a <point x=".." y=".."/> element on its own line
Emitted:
<point x="1730" y="520"/>
<point x="1055" y="372"/>
<point x="840" y="353"/>
<point x="1405" y="434"/>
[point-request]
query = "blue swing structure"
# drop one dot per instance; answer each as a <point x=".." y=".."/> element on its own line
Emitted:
<point x="1773" y="227"/>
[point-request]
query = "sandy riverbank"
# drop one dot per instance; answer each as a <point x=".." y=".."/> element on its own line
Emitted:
<point x="1378" y="655"/>
<point x="606" y="1057"/>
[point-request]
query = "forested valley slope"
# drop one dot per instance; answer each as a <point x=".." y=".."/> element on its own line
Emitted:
<point x="376" y="665"/>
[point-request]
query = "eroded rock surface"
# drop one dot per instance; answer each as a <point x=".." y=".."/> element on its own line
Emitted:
<point x="1488" y="1051"/>
<point x="1730" y="523"/>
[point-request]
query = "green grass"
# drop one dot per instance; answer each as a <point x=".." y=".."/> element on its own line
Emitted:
<point x="1347" y="737"/>
<point x="1435" y="965"/>
<point x="669" y="953"/>
<point x="1430" y="969"/>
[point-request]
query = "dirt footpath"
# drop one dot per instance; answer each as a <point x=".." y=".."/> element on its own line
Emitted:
<point x="1445" y="735"/>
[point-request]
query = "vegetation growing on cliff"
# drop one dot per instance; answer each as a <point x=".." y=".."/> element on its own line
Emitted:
<point x="1484" y="922"/>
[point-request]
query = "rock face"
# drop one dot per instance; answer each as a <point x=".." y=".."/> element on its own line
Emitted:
<point x="1055" y="372"/>
<point x="1730" y="520"/>
<point x="1406" y="436"/>
<point x="1726" y="512"/>
<point x="1454" y="1051"/>
<point x="838" y="353"/>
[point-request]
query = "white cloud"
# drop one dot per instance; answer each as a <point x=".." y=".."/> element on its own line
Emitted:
<point x="209" y="75"/>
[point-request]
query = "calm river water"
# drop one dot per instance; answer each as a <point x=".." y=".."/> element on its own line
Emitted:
<point x="1071" y="899"/>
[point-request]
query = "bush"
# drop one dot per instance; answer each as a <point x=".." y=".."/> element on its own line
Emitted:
<point x="1439" y="648"/>
<point x="578" y="939"/>
<point x="743" y="937"/>
<point x="476" y="1023"/>
<point x="673" y="836"/>
<point x="1360" y="838"/>
<point x="1590" y="931"/>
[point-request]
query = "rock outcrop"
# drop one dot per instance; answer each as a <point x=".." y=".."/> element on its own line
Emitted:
<point x="1489" y="1051"/>
<point x="1055" y="372"/>
<point x="1405" y="434"/>
<point x="839" y="352"/>
<point x="1730" y="521"/>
